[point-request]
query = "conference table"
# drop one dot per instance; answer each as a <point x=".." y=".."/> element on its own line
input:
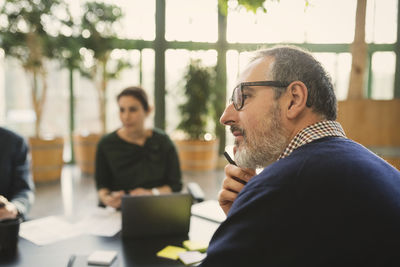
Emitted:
<point x="131" y="252"/>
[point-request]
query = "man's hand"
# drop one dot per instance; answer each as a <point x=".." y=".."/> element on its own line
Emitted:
<point x="234" y="181"/>
<point x="7" y="209"/>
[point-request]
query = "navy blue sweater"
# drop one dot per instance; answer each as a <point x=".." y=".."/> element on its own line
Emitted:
<point x="330" y="203"/>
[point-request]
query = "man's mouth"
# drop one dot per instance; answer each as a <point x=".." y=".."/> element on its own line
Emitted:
<point x="238" y="133"/>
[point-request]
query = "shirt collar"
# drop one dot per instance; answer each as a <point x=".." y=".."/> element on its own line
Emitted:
<point x="313" y="132"/>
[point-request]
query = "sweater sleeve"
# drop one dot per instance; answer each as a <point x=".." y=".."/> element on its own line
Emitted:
<point x="22" y="185"/>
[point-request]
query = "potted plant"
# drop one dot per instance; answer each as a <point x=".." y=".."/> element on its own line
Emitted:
<point x="27" y="35"/>
<point x="98" y="27"/>
<point x="198" y="149"/>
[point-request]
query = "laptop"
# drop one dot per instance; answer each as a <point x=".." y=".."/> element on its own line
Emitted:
<point x="155" y="216"/>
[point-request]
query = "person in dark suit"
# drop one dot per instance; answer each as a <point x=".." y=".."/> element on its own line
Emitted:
<point x="16" y="185"/>
<point x="321" y="198"/>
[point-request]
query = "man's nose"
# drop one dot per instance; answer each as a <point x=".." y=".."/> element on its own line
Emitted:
<point x="227" y="118"/>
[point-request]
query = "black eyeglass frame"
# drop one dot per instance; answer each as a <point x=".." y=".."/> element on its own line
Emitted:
<point x="240" y="86"/>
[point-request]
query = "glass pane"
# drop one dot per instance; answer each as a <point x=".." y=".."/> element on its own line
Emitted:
<point x="55" y="118"/>
<point x="381" y="21"/>
<point x="247" y="27"/>
<point x="176" y="62"/>
<point x="138" y="21"/>
<point x="383" y="68"/>
<point x="291" y="21"/>
<point x="191" y="20"/>
<point x="338" y="67"/>
<point x="323" y="27"/>
<point x="342" y="78"/>
<point x="19" y="115"/>
<point x="86" y="106"/>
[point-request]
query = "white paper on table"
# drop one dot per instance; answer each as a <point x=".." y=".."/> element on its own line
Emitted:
<point x="201" y="230"/>
<point x="101" y="222"/>
<point x="48" y="230"/>
<point x="209" y="210"/>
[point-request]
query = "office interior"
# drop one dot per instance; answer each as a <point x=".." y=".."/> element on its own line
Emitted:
<point x="159" y="38"/>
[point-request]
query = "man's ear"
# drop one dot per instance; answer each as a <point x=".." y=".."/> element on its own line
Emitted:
<point x="297" y="95"/>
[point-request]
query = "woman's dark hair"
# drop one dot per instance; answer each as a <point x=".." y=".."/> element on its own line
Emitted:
<point x="138" y="93"/>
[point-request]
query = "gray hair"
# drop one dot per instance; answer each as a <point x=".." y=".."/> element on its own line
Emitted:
<point x="294" y="64"/>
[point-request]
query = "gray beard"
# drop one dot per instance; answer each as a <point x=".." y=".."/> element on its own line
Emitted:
<point x="265" y="145"/>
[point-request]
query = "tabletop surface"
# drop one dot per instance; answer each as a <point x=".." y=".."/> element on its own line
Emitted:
<point x="131" y="252"/>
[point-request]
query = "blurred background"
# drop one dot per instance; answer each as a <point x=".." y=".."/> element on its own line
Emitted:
<point x="152" y="43"/>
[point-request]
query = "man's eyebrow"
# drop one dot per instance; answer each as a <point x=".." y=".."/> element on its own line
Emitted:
<point x="248" y="89"/>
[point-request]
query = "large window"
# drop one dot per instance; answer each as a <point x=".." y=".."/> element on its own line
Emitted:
<point x="327" y="22"/>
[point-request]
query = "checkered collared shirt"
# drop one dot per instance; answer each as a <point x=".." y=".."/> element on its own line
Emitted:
<point x="311" y="133"/>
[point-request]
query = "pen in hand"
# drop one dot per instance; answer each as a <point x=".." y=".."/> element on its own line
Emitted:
<point x="231" y="161"/>
<point x="3" y="201"/>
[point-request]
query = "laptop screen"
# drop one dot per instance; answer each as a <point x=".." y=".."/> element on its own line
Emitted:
<point x="151" y="216"/>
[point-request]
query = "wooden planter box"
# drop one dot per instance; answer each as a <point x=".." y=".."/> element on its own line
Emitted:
<point x="197" y="155"/>
<point x="85" y="152"/>
<point x="47" y="158"/>
<point x="374" y="124"/>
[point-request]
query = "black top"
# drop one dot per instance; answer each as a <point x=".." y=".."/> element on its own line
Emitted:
<point x="15" y="183"/>
<point x="121" y="165"/>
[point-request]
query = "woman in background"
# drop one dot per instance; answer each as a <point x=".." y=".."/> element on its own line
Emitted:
<point x="134" y="160"/>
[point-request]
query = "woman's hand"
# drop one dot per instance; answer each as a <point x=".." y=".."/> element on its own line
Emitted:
<point x="234" y="181"/>
<point x="140" y="191"/>
<point x="112" y="199"/>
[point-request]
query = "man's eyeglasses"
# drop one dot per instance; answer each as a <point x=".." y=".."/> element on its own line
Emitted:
<point x="238" y="98"/>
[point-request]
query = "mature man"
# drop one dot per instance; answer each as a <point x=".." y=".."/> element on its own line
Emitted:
<point x="321" y="199"/>
<point x="16" y="186"/>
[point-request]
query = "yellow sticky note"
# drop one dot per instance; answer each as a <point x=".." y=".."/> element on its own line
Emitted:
<point x="170" y="252"/>
<point x="195" y="245"/>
